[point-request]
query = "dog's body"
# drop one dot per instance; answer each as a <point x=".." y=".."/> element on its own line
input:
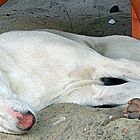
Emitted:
<point x="39" y="68"/>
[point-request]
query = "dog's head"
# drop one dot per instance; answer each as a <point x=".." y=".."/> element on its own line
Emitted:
<point x="16" y="116"/>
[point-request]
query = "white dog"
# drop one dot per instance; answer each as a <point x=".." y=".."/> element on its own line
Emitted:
<point x="40" y="68"/>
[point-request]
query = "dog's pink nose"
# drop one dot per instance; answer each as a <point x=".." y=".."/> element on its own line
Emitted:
<point x="25" y="120"/>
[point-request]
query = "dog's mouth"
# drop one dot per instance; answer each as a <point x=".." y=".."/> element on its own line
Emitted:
<point x="8" y="130"/>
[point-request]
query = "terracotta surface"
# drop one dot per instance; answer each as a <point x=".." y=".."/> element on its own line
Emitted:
<point x="2" y="2"/>
<point x="136" y="18"/>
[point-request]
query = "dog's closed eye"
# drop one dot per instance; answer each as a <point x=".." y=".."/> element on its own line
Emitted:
<point x="111" y="81"/>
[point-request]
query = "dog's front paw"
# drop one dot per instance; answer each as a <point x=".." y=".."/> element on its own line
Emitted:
<point x="133" y="109"/>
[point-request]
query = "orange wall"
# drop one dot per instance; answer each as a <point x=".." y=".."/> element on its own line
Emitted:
<point x="136" y="18"/>
<point x="2" y="2"/>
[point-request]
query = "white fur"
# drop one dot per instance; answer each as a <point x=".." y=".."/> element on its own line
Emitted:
<point x="40" y="68"/>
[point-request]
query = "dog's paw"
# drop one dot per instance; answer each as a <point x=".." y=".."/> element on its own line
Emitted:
<point x="133" y="109"/>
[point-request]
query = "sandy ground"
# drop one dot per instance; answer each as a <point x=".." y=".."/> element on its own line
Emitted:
<point x="75" y="122"/>
<point x="70" y="121"/>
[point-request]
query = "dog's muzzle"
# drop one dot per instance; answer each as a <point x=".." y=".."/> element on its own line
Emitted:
<point x="25" y="121"/>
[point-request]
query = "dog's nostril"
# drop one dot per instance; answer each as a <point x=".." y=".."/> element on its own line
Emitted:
<point x="25" y="120"/>
<point x="29" y="113"/>
<point x="111" y="81"/>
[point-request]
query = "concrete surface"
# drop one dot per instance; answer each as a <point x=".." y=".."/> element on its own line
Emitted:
<point x="88" y="17"/>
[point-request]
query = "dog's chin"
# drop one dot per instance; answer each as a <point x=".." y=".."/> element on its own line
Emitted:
<point x="11" y="132"/>
<point x="10" y="129"/>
